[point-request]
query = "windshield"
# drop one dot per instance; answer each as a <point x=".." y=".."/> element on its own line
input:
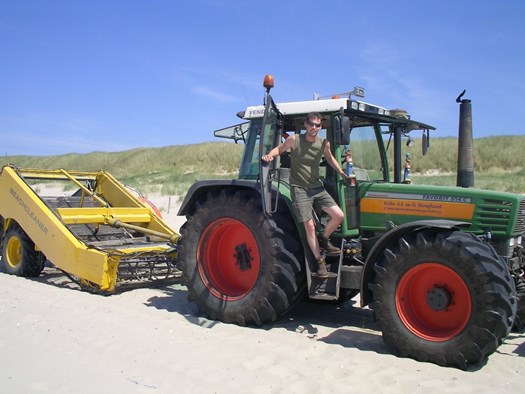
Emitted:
<point x="366" y="154"/>
<point x="236" y="132"/>
<point x="250" y="157"/>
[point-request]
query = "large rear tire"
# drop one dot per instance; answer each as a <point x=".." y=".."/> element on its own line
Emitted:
<point x="519" y="321"/>
<point x="445" y="298"/>
<point x="19" y="255"/>
<point x="239" y="266"/>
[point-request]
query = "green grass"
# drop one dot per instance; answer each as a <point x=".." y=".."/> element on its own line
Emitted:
<point x="498" y="163"/>
<point x="511" y="181"/>
<point x="499" y="154"/>
<point x="171" y="170"/>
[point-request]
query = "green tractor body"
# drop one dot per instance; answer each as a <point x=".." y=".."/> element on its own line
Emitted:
<point x="442" y="267"/>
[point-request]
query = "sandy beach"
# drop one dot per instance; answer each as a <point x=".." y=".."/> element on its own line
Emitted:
<point x="55" y="338"/>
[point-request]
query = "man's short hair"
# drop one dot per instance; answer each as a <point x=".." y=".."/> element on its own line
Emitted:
<point x="313" y="115"/>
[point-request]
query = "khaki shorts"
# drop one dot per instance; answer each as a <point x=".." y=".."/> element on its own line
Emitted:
<point x="304" y="200"/>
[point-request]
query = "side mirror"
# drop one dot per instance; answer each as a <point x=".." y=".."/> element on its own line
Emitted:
<point x="426" y="142"/>
<point x="342" y="130"/>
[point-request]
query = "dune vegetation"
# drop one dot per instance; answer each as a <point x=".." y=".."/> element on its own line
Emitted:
<point x="171" y="170"/>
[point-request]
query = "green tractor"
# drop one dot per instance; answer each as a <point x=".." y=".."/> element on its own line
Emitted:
<point x="441" y="267"/>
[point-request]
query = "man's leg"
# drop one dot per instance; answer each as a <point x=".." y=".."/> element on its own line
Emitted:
<point x="309" y="227"/>
<point x="337" y="216"/>
<point x="313" y="242"/>
<point x="303" y="203"/>
<point x="311" y="237"/>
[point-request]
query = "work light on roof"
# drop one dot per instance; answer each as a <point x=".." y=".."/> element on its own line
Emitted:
<point x="365" y="107"/>
<point x="358" y="92"/>
<point x="268" y="82"/>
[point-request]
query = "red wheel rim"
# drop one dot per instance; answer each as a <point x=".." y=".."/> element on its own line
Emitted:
<point x="228" y="259"/>
<point x="419" y="314"/>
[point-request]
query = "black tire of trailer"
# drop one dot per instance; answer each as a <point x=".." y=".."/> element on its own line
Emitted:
<point x="19" y="255"/>
<point x="519" y="320"/>
<point x="238" y="265"/>
<point x="445" y="298"/>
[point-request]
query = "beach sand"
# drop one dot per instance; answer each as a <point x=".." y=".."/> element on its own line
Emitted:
<point x="55" y="338"/>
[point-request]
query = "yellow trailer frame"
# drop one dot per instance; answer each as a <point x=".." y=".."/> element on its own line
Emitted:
<point x="71" y="231"/>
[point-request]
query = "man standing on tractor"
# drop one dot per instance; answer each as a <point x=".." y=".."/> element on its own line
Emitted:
<point x="308" y="192"/>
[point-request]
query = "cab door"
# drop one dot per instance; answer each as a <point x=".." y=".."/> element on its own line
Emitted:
<point x="269" y="138"/>
<point x="369" y="166"/>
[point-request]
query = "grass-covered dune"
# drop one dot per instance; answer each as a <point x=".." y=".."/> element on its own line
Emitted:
<point x="499" y="164"/>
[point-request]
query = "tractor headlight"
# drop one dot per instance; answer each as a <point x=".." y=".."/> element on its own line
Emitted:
<point x="359" y="106"/>
<point x="515" y="241"/>
<point x="370" y="108"/>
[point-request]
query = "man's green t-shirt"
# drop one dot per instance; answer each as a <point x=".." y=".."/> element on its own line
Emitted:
<point x="305" y="159"/>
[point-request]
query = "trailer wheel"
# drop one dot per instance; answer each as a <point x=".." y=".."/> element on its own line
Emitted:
<point x="19" y="255"/>
<point x="519" y="321"/>
<point x="445" y="298"/>
<point x="239" y="266"/>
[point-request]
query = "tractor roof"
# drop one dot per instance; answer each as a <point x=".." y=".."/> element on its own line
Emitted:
<point x="359" y="109"/>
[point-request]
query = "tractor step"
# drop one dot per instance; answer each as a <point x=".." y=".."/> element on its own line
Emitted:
<point x="330" y="275"/>
<point x="326" y="288"/>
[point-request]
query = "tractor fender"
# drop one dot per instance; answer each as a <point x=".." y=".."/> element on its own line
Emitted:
<point x="391" y="236"/>
<point x="200" y="189"/>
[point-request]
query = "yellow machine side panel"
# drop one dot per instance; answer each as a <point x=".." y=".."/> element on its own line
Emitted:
<point x="19" y="202"/>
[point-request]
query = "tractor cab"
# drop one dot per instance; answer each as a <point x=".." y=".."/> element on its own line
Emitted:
<point x="360" y="134"/>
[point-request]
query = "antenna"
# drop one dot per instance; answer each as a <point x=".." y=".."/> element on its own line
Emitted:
<point x="244" y="91"/>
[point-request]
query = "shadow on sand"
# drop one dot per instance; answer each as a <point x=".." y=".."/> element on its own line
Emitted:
<point x="349" y="325"/>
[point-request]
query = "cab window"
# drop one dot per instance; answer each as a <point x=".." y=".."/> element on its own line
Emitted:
<point x="365" y="154"/>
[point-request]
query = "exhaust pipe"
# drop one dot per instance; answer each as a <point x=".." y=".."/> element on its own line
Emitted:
<point x="465" y="171"/>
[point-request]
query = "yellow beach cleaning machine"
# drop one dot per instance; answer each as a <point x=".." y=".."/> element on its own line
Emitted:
<point x="101" y="233"/>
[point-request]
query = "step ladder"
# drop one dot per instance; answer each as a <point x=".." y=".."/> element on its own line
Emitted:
<point x="326" y="288"/>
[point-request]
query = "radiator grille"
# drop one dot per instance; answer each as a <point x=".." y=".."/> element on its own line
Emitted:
<point x="520" y="221"/>
<point x="494" y="214"/>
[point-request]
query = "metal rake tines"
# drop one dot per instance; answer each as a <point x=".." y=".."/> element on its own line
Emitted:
<point x="147" y="268"/>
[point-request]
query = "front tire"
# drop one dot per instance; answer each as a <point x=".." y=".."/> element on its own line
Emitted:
<point x="239" y="266"/>
<point x="19" y="255"/>
<point x="519" y="321"/>
<point x="445" y="298"/>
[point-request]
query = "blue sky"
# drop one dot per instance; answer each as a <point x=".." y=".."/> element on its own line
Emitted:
<point x="112" y="75"/>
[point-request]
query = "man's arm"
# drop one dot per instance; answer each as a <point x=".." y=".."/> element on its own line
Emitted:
<point x="287" y="144"/>
<point x="330" y="159"/>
